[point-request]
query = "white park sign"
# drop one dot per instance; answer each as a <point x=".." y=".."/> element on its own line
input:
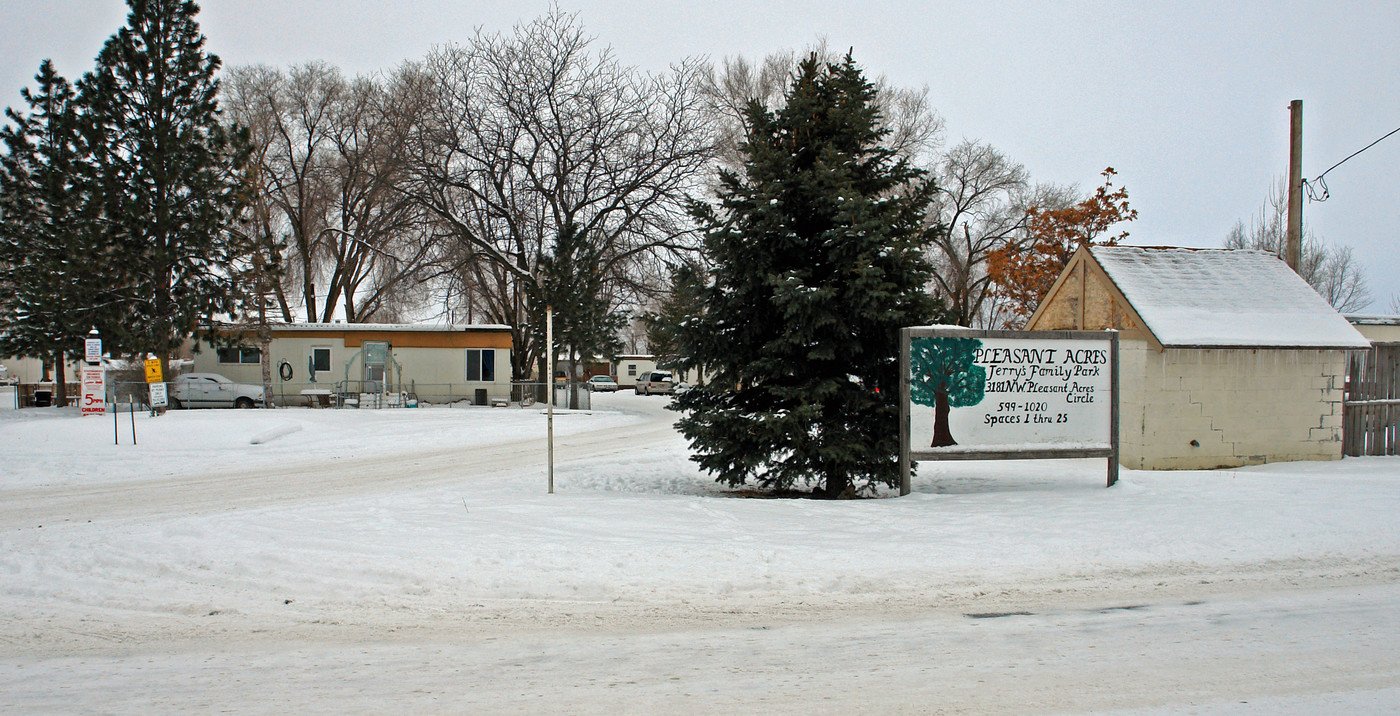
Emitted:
<point x="968" y="394"/>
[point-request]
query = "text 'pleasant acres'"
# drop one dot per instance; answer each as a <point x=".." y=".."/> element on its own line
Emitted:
<point x="1043" y="356"/>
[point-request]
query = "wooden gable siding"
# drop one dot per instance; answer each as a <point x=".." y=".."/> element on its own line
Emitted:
<point x="1084" y="298"/>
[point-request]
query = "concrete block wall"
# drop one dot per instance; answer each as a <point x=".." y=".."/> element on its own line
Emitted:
<point x="1207" y="408"/>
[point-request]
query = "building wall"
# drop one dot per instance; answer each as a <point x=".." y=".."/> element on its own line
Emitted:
<point x="23" y="376"/>
<point x="691" y="377"/>
<point x="629" y="367"/>
<point x="1379" y="333"/>
<point x="294" y="351"/>
<point x="31" y="370"/>
<point x="435" y="373"/>
<point x="1239" y="406"/>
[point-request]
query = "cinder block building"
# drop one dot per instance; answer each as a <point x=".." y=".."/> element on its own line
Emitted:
<point x="1227" y="357"/>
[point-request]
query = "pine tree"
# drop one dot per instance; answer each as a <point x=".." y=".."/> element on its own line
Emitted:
<point x="169" y="173"/>
<point x="816" y="256"/>
<point x="51" y="279"/>
<point x="664" y="326"/>
<point x="570" y="279"/>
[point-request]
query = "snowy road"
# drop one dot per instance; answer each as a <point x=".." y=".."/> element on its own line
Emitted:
<point x="1328" y="651"/>
<point x="206" y="489"/>
<point x="410" y="562"/>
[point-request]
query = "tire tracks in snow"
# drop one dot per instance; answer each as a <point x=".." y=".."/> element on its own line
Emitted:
<point x="225" y="490"/>
<point x="1145" y="589"/>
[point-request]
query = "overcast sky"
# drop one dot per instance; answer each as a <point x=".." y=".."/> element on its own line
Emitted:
<point x="1189" y="104"/>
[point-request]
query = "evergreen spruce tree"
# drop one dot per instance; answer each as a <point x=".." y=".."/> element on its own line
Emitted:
<point x="682" y="303"/>
<point x="169" y="173"/>
<point x="570" y="280"/>
<point x="817" y="264"/>
<point x="52" y="284"/>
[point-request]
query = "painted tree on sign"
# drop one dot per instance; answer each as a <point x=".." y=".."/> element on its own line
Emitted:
<point x="943" y="376"/>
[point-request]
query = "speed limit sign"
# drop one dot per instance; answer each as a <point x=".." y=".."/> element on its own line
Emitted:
<point x="94" y="390"/>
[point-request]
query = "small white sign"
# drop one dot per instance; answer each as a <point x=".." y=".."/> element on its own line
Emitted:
<point x="94" y="390"/>
<point x="92" y="350"/>
<point x="158" y="397"/>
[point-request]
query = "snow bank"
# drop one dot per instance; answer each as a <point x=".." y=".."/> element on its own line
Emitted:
<point x="53" y="447"/>
<point x="275" y="432"/>
<point x="632" y="517"/>
<point x="366" y="525"/>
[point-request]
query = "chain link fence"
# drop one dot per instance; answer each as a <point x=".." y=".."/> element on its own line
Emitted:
<point x="338" y="394"/>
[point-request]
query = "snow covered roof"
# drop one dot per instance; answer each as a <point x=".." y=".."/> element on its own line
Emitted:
<point x="357" y="327"/>
<point x="1224" y="298"/>
<point x="1371" y="319"/>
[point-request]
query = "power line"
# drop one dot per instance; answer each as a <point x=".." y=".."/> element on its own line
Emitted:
<point x="1313" y="195"/>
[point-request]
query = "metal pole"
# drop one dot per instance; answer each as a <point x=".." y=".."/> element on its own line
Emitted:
<point x="549" y="386"/>
<point x="1294" y="255"/>
<point x="906" y="466"/>
<point x="1113" y="415"/>
<point x="133" y="419"/>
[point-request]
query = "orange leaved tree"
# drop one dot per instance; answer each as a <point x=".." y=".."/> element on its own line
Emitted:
<point x="1023" y="273"/>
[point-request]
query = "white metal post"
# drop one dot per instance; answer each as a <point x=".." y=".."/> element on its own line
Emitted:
<point x="549" y="386"/>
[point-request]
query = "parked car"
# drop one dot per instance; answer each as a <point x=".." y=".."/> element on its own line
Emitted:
<point x="602" y="384"/>
<point x="655" y="382"/>
<point x="211" y="390"/>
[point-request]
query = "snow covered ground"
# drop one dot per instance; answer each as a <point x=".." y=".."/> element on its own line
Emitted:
<point x="318" y="561"/>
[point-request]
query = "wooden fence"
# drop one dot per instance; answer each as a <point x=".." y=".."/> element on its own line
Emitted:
<point x="1371" y="412"/>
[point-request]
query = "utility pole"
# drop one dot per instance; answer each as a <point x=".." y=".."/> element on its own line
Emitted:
<point x="1294" y="255"/>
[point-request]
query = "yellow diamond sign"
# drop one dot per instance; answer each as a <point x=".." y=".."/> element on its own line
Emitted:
<point x="153" y="370"/>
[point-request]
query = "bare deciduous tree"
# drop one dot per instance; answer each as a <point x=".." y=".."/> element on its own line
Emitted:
<point x="915" y="129"/>
<point x="329" y="185"/>
<point x="264" y="220"/>
<point x="380" y="238"/>
<point x="981" y="199"/>
<point x="290" y="115"/>
<point x="531" y="131"/>
<point x="1331" y="270"/>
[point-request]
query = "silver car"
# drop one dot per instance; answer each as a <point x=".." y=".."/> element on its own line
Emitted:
<point x="655" y="382"/>
<point x="601" y="384"/>
<point x="211" y="390"/>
